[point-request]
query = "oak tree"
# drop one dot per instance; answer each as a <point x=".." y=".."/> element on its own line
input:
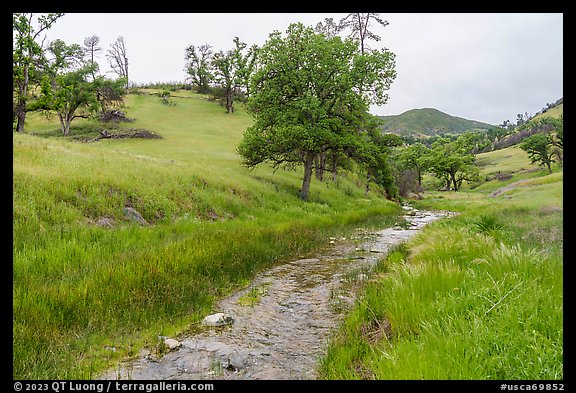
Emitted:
<point x="198" y="66"/>
<point x="539" y="150"/>
<point x="28" y="59"/>
<point x="307" y="100"/>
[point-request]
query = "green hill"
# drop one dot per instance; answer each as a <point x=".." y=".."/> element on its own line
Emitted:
<point x="428" y="122"/>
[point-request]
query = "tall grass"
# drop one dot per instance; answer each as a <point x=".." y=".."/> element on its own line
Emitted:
<point x="80" y="289"/>
<point x="479" y="296"/>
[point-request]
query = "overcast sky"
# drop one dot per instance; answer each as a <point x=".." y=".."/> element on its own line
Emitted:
<point x="487" y="67"/>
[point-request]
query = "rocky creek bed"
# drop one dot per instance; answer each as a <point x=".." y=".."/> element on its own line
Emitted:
<point x="279" y="326"/>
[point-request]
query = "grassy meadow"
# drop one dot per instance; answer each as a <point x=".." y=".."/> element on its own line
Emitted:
<point x="474" y="297"/>
<point x="86" y="295"/>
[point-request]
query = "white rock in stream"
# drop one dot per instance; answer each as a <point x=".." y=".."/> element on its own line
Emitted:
<point x="172" y="344"/>
<point x="218" y="319"/>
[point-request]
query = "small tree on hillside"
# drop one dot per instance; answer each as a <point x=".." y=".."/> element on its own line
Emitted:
<point x="232" y="71"/>
<point x="198" y="67"/>
<point x="373" y="154"/>
<point x="556" y="139"/>
<point x="27" y="59"/>
<point x="69" y="87"/>
<point x="538" y="148"/>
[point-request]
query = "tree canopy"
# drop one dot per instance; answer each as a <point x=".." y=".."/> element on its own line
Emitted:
<point x="539" y="150"/>
<point x="307" y="100"/>
<point x="454" y="160"/>
<point x="27" y="59"/>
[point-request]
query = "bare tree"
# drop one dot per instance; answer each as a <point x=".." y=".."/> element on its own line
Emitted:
<point x="359" y="24"/>
<point x="118" y="59"/>
<point x="90" y="48"/>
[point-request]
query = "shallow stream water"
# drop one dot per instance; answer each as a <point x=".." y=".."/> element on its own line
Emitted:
<point x="284" y="319"/>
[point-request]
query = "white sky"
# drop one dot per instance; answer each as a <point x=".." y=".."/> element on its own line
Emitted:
<point x="487" y="67"/>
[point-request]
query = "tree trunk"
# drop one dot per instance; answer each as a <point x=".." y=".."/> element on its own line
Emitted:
<point x="65" y="121"/>
<point x="334" y="168"/>
<point x="308" y="166"/>
<point x="21" y="115"/>
<point x="320" y="164"/>
<point x="454" y="182"/>
<point x="558" y="153"/>
<point x="367" y="184"/>
<point x="21" y="108"/>
<point x="229" y="102"/>
<point x="419" y="172"/>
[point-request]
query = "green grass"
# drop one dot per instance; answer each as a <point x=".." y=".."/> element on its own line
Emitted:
<point x="478" y="296"/>
<point x="554" y="112"/>
<point x="509" y="160"/>
<point x="79" y="288"/>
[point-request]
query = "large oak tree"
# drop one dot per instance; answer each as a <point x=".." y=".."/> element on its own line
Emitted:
<point x="311" y="95"/>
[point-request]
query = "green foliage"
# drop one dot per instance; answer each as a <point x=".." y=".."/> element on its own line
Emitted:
<point x="306" y="98"/>
<point x="227" y="66"/>
<point x="414" y="157"/>
<point x="28" y="61"/>
<point x="73" y="95"/>
<point x="538" y="148"/>
<point x="453" y="160"/>
<point x="488" y="223"/>
<point x="373" y="157"/>
<point x="198" y="67"/>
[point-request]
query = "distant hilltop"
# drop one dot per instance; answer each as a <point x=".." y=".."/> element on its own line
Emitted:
<point x="429" y="121"/>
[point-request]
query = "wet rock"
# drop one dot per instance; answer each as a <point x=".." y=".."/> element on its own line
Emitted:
<point x="172" y="344"/>
<point x="133" y="215"/>
<point x="235" y="362"/>
<point x="218" y="319"/>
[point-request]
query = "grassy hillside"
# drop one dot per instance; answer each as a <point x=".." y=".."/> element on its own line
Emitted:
<point x="554" y="112"/>
<point x="478" y="296"/>
<point x="499" y="168"/>
<point x="428" y="121"/>
<point x="86" y="279"/>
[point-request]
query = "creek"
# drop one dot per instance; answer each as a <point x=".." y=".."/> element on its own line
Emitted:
<point x="283" y="320"/>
